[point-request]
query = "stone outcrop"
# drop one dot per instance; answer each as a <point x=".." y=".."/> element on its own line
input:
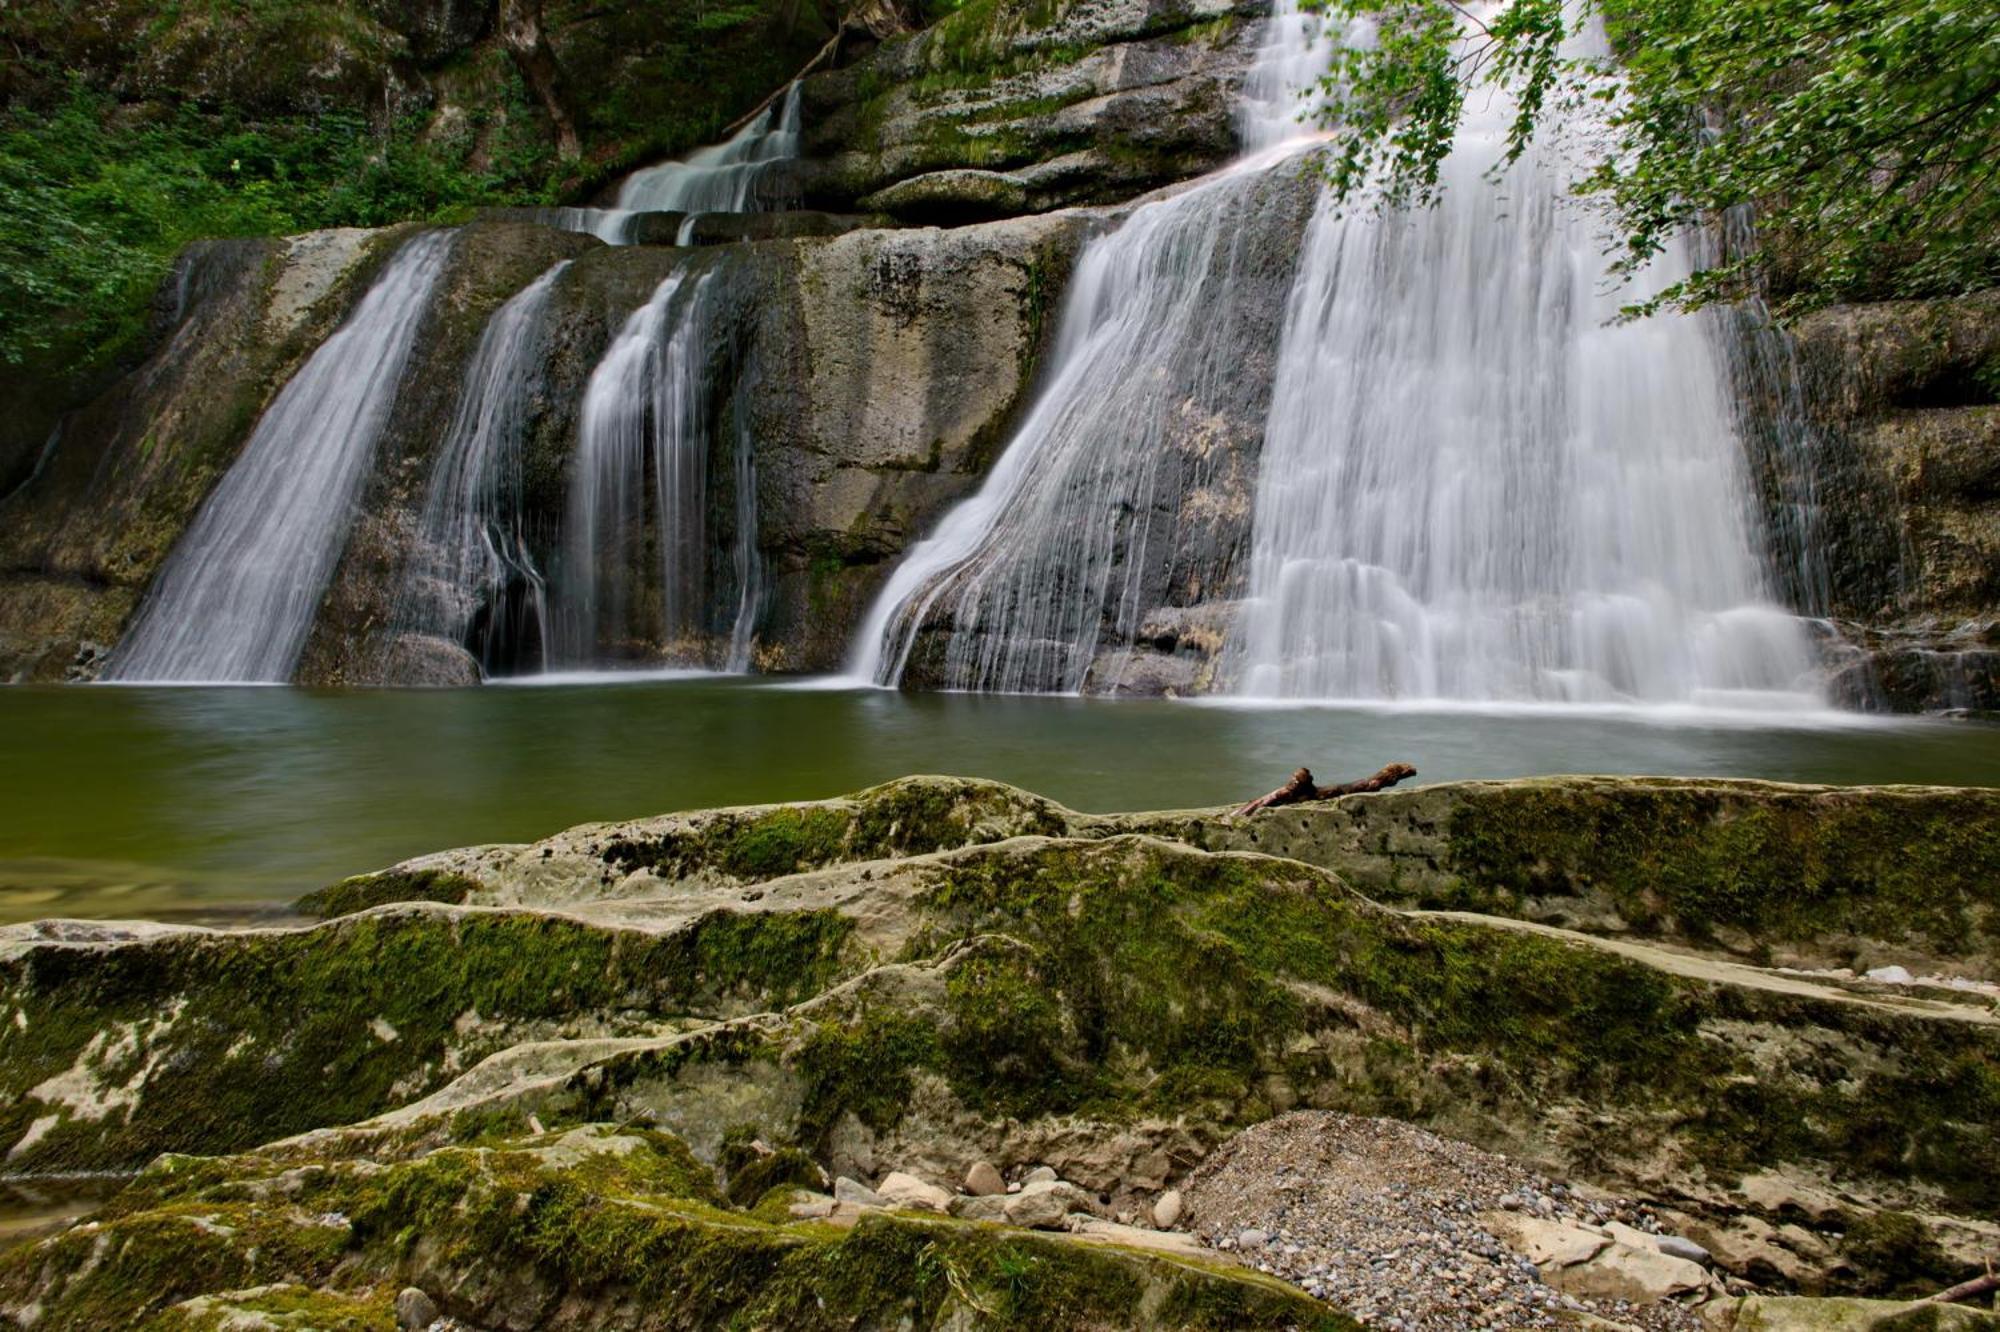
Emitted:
<point x="1002" y="108"/>
<point x="1906" y="397"/>
<point x="82" y="537"/>
<point x="586" y="1227"/>
<point x="937" y="974"/>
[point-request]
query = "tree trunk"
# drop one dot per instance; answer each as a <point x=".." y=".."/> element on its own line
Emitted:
<point x="521" y="31"/>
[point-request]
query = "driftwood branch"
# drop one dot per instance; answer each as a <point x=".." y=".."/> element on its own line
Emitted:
<point x="1967" y="1290"/>
<point x="1301" y="788"/>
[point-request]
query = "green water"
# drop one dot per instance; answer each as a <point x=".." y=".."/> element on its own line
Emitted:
<point x="119" y="801"/>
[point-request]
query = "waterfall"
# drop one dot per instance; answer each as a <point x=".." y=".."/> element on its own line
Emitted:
<point x="721" y="178"/>
<point x="1475" y="485"/>
<point x="235" y="599"/>
<point x="1050" y="558"/>
<point x="639" y="496"/>
<point x="471" y="579"/>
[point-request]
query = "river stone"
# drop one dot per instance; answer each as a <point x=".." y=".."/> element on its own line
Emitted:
<point x="1677" y="1246"/>
<point x="1038" y="1209"/>
<point x="1167" y="1210"/>
<point x="991" y="1207"/>
<point x="1624" y="1272"/>
<point x="905" y="1190"/>
<point x="415" y="1310"/>
<point x="962" y="195"/>
<point x="853" y="1191"/>
<point x="1040" y="1175"/>
<point x="983" y="1181"/>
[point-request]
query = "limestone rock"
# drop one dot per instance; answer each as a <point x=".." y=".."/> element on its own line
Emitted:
<point x="1549" y="1245"/>
<point x="904" y="1190"/>
<point x="853" y="1191"/>
<point x="415" y="1310"/>
<point x="1676" y="1246"/>
<point x="1167" y="1210"/>
<point x="960" y="195"/>
<point x="983" y="1181"/>
<point x="1769" y="1313"/>
<point x="1136" y="1237"/>
<point x="1624" y="1272"/>
<point x="1040" y="1175"/>
<point x="980" y="1208"/>
<point x="1038" y="1209"/>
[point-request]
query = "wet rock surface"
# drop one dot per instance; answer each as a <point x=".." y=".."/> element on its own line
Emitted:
<point x="839" y="1011"/>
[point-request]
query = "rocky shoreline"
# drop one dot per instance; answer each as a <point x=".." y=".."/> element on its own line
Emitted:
<point x="1562" y="1052"/>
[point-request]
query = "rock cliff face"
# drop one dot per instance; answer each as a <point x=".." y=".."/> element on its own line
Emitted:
<point x="876" y="371"/>
<point x="938" y="973"/>
<point x="1908" y="394"/>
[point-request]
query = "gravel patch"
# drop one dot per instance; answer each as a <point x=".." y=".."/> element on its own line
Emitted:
<point x="1380" y="1219"/>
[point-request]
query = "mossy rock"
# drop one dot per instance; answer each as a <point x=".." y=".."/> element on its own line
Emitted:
<point x="583" y="1227"/>
<point x="192" y="1040"/>
<point x="363" y="891"/>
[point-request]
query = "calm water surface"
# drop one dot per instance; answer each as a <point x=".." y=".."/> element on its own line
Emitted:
<point x="128" y="801"/>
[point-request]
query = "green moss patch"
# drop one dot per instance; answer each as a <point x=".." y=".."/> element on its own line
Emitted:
<point x="372" y="890"/>
<point x="914" y="816"/>
<point x="1785" y="865"/>
<point x="217" y="1043"/>
<point x="556" y="1226"/>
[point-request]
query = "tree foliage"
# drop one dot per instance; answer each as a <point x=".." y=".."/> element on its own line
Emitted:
<point x="1864" y="135"/>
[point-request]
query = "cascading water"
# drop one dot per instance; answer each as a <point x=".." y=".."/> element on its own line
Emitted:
<point x="1476" y="486"/>
<point x="721" y="178"/>
<point x="640" y="486"/>
<point x="1049" y="559"/>
<point x="235" y="600"/>
<point x="471" y="579"/>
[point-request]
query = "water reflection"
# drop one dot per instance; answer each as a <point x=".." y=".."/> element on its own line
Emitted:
<point x="163" y="801"/>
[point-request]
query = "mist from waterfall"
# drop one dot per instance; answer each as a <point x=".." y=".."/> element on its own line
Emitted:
<point x="1031" y="575"/>
<point x="635" y="557"/>
<point x="472" y="579"/>
<point x="1477" y="485"/>
<point x="236" y="598"/>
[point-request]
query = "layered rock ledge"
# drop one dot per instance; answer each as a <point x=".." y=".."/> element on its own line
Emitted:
<point x="520" y="1078"/>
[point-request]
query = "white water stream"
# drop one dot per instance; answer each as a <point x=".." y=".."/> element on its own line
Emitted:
<point x="1031" y="574"/>
<point x="639" y="493"/>
<point x="1476" y="485"/>
<point x="471" y="562"/>
<point x="235" y="600"/>
<point x="721" y="178"/>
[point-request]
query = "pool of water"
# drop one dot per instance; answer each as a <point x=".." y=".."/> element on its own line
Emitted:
<point x="151" y="802"/>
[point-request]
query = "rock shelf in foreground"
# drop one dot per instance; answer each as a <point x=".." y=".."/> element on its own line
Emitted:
<point x="1611" y="981"/>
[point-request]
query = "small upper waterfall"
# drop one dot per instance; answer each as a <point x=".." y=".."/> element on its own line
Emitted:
<point x="1477" y="485"/>
<point x="235" y="599"/>
<point x="1028" y="577"/>
<point x="721" y="178"/>
<point x="471" y="579"/>
<point x="634" y="578"/>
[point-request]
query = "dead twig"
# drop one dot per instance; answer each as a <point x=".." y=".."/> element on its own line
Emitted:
<point x="1301" y="788"/>
<point x="1967" y="1290"/>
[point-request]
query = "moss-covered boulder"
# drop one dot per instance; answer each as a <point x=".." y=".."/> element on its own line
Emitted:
<point x="187" y="1039"/>
<point x="1812" y="875"/>
<point x="593" y="1227"/>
